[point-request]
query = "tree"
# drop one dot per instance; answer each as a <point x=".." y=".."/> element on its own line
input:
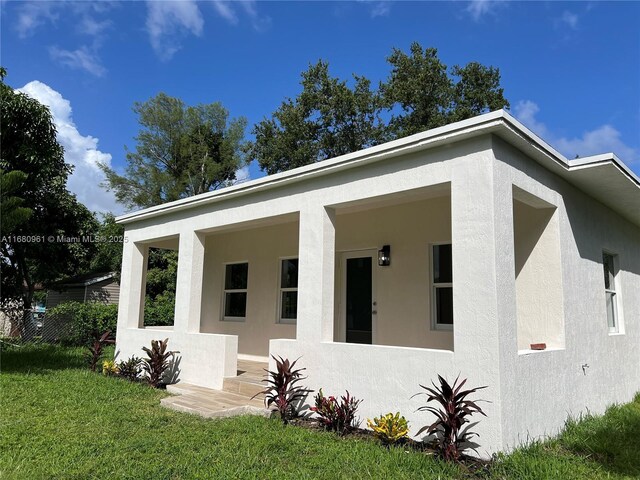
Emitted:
<point x="181" y="151"/>
<point x="427" y="97"/>
<point x="44" y="245"/>
<point x="12" y="213"/>
<point x="108" y="238"/>
<point x="327" y="119"/>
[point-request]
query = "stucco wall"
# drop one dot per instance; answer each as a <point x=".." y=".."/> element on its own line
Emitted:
<point x="402" y="293"/>
<point x="538" y="271"/>
<point x="540" y="389"/>
<point x="262" y="248"/>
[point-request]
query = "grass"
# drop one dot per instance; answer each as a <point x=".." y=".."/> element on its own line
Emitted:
<point x="59" y="420"/>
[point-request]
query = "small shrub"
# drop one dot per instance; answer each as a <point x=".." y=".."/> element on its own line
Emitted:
<point x="130" y="369"/>
<point x="282" y="388"/>
<point x="109" y="368"/>
<point x="452" y="414"/>
<point x="339" y="416"/>
<point x="96" y="348"/>
<point x="389" y="428"/>
<point x="157" y="361"/>
<point x="79" y="323"/>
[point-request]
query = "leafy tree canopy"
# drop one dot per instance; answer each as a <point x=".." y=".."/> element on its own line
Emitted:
<point x="326" y="120"/>
<point x="38" y="247"/>
<point x="427" y="94"/>
<point x="330" y="118"/>
<point x="181" y="151"/>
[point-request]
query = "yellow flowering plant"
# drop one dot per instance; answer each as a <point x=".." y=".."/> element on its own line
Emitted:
<point x="109" y="368"/>
<point x="389" y="428"/>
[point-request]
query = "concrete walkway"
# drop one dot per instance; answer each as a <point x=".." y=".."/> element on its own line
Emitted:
<point x="234" y="398"/>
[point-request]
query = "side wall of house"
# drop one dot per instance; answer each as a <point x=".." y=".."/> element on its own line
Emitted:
<point x="595" y="368"/>
<point x="106" y="291"/>
<point x="71" y="294"/>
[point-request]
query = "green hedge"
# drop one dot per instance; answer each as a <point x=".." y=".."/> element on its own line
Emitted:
<point x="77" y="322"/>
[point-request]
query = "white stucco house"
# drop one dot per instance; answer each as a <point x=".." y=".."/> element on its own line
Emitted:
<point x="449" y="252"/>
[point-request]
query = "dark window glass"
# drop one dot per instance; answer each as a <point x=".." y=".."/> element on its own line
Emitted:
<point x="236" y="276"/>
<point x="235" y="304"/>
<point x="607" y="262"/>
<point x="289" y="305"/>
<point x="444" y="305"/>
<point x="289" y="274"/>
<point x="442" y="264"/>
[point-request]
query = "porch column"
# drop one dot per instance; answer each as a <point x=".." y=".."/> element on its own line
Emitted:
<point x="132" y="285"/>
<point x="189" y="282"/>
<point x="316" y="274"/>
<point x="475" y="294"/>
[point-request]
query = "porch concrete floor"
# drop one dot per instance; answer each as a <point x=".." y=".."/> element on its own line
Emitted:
<point x="234" y="399"/>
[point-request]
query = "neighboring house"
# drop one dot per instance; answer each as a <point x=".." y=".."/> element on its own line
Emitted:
<point x="448" y="252"/>
<point x="92" y="287"/>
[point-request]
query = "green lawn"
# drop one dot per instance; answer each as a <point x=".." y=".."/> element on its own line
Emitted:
<point x="59" y="420"/>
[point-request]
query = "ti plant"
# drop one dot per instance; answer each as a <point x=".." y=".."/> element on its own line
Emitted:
<point x="130" y="369"/>
<point x="389" y="428"/>
<point x="339" y="416"/>
<point x="96" y="348"/>
<point x="282" y="389"/>
<point x="157" y="361"/>
<point x="451" y="415"/>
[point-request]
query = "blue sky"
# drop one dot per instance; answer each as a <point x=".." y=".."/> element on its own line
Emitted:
<point x="571" y="70"/>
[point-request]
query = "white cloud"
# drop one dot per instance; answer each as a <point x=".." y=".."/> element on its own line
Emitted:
<point x="242" y="175"/>
<point x="259" y="22"/>
<point x="90" y="26"/>
<point x="480" y="8"/>
<point x="169" y="21"/>
<point x="225" y="10"/>
<point x="603" y="139"/>
<point x="33" y="14"/>
<point x="80" y="151"/>
<point x="82" y="58"/>
<point x="569" y="19"/>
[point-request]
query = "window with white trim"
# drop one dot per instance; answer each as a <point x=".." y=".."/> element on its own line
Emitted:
<point x="288" y="294"/>
<point x="235" y="291"/>
<point x="442" y="287"/>
<point x="609" y="263"/>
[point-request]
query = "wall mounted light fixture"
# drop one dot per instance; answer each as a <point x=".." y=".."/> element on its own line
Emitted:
<point x="384" y="256"/>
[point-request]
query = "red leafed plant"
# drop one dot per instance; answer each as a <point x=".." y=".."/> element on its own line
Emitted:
<point x="451" y="415"/>
<point x="96" y="348"/>
<point x="282" y="388"/>
<point x="339" y="416"/>
<point x="157" y="361"/>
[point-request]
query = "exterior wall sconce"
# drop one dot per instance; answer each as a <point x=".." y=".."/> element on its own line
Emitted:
<point x="384" y="256"/>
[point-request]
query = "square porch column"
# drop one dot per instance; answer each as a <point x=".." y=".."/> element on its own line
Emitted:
<point x="476" y="294"/>
<point x="132" y="285"/>
<point x="189" y="282"/>
<point x="316" y="274"/>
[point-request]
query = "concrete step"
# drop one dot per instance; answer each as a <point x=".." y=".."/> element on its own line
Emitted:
<point x="243" y="386"/>
<point x="210" y="403"/>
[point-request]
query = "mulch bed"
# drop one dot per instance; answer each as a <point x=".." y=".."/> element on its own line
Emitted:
<point x="474" y="466"/>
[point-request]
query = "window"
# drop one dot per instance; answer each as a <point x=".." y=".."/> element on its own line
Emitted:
<point x="235" y="291"/>
<point x="288" y="301"/>
<point x="609" y="263"/>
<point x="442" y="292"/>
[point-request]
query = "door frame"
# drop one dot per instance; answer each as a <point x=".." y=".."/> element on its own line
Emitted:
<point x="344" y="256"/>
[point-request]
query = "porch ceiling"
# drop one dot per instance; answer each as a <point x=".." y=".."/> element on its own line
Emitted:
<point x="262" y="222"/>
<point x="407" y="196"/>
